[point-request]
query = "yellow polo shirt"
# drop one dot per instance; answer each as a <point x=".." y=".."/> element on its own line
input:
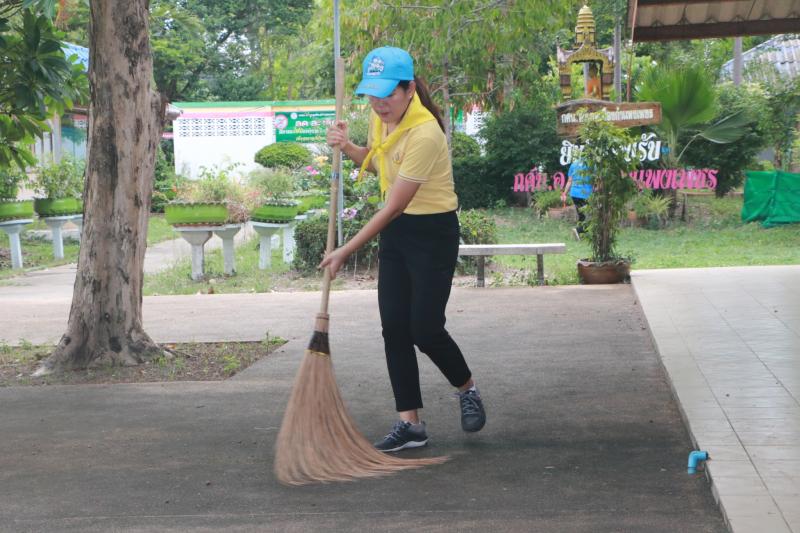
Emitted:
<point x="421" y="155"/>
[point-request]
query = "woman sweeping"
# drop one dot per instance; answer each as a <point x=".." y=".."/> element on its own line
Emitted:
<point x="419" y="238"/>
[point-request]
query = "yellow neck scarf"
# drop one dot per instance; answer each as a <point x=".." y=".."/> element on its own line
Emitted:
<point x="416" y="114"/>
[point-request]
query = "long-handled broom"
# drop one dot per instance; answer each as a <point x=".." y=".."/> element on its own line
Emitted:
<point x="318" y="441"/>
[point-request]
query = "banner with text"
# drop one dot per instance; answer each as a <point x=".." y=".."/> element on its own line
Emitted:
<point x="302" y="126"/>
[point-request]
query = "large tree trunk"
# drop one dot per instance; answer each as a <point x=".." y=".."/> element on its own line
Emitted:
<point x="125" y="123"/>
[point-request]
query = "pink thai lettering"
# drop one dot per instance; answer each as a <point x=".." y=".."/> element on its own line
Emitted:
<point x="558" y="180"/>
<point x="712" y="178"/>
<point x="532" y="181"/>
<point x="667" y="179"/>
<point x="519" y="182"/>
<point x="650" y="178"/>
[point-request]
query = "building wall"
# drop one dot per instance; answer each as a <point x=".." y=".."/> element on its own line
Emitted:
<point x="208" y="139"/>
<point x="221" y="133"/>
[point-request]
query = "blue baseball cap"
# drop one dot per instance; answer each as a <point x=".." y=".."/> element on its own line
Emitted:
<point x="382" y="70"/>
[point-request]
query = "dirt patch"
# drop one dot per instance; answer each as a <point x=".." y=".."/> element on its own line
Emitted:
<point x="5" y="258"/>
<point x="208" y="361"/>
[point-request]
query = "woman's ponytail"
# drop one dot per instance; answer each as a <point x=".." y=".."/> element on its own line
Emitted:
<point x="425" y="98"/>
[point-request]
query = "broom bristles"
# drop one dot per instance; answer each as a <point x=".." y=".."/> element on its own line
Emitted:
<point x="318" y="441"/>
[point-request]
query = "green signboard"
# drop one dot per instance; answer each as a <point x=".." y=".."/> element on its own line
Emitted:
<point x="302" y="126"/>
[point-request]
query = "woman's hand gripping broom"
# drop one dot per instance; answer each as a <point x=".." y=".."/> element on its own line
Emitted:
<point x="318" y="441"/>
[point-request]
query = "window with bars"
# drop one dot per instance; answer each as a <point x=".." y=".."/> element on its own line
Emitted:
<point x="221" y="127"/>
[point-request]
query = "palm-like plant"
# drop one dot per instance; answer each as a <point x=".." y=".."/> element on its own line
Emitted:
<point x="688" y="103"/>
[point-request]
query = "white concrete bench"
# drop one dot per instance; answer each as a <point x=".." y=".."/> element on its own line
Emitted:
<point x="481" y="251"/>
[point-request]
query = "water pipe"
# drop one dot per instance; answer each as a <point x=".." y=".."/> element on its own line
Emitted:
<point x="694" y="458"/>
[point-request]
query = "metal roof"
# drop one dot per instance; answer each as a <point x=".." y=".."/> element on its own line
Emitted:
<point x="777" y="56"/>
<point x="665" y="20"/>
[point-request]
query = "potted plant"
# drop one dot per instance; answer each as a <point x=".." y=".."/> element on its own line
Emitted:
<point x="214" y="199"/>
<point x="60" y="186"/>
<point x="271" y="195"/>
<point x="10" y="207"/>
<point x="612" y="189"/>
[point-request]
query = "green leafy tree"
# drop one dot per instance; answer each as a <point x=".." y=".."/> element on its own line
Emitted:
<point x="710" y="54"/>
<point x="177" y="38"/>
<point x="783" y="96"/>
<point x="297" y="58"/>
<point x="519" y="141"/>
<point x="487" y="51"/>
<point x="207" y="49"/>
<point x="733" y="158"/>
<point x="688" y="104"/>
<point x="231" y="43"/>
<point x="37" y="81"/>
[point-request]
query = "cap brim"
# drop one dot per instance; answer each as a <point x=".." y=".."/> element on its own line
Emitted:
<point x="377" y="88"/>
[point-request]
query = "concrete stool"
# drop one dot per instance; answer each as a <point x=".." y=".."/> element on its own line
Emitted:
<point x="13" y="228"/>
<point x="265" y="231"/>
<point x="288" y="239"/>
<point x="197" y="236"/>
<point x="55" y="224"/>
<point x="226" y="233"/>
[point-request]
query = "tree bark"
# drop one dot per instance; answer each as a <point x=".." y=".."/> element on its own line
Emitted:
<point x="125" y="124"/>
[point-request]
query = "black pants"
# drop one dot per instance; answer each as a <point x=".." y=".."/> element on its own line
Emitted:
<point x="579" y="203"/>
<point x="417" y="257"/>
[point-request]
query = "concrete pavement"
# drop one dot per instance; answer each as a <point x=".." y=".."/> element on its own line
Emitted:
<point x="729" y="339"/>
<point x="583" y="431"/>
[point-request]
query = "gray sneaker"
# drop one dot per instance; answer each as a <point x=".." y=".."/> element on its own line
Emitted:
<point x="402" y="436"/>
<point x="473" y="415"/>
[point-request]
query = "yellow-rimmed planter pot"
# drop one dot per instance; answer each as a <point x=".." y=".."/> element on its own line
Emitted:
<point x="15" y="209"/>
<point x="195" y="213"/>
<point x="278" y="212"/>
<point x="57" y="207"/>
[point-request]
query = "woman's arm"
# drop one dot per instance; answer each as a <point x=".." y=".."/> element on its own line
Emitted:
<point x="567" y="187"/>
<point x="338" y="137"/>
<point x="400" y="196"/>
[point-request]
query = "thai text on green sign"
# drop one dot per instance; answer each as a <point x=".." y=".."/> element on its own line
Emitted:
<point x="302" y="126"/>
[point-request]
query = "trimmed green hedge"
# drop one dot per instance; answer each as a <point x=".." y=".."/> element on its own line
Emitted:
<point x="283" y="155"/>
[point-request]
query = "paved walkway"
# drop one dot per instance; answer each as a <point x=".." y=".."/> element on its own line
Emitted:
<point x="56" y="283"/>
<point x="729" y="339"/>
<point x="584" y="434"/>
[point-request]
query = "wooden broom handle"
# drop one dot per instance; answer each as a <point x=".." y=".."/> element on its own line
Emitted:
<point x="333" y="210"/>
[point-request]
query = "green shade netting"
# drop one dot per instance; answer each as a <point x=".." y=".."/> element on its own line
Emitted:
<point x="773" y="197"/>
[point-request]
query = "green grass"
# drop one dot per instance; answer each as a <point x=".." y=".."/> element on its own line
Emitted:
<point x="158" y="230"/>
<point x="38" y="252"/>
<point x="712" y="236"/>
<point x="249" y="278"/>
